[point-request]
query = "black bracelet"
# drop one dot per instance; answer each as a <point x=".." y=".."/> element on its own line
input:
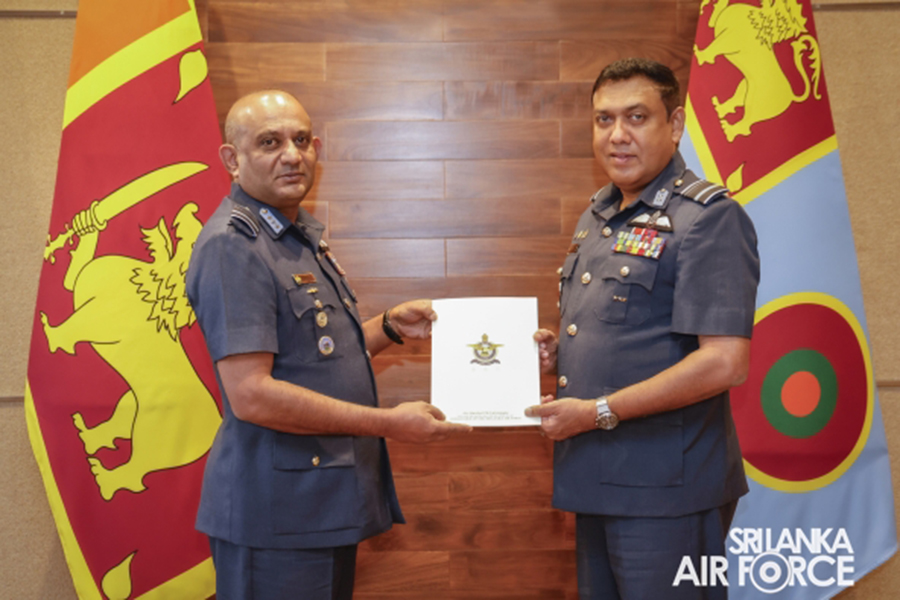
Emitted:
<point x="389" y="329"/>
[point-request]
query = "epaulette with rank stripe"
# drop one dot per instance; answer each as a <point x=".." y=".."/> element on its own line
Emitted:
<point x="243" y="220"/>
<point x="703" y="191"/>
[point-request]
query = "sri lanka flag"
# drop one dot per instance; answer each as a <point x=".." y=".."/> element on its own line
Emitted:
<point x="121" y="399"/>
<point x="820" y="512"/>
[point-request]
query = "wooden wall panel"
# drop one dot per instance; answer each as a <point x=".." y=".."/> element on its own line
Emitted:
<point x="330" y="101"/>
<point x="557" y="19"/>
<point x="436" y="140"/>
<point x="516" y="100"/>
<point x="506" y="256"/>
<point x="583" y="60"/>
<point x="500" y="491"/>
<point x="376" y="295"/>
<point x="502" y="569"/>
<point x="505" y="450"/>
<point x="456" y="161"/>
<point x="341" y="180"/>
<point x="402" y="378"/>
<point x="423" y="491"/>
<point x="476" y="530"/>
<point x="409" y="572"/>
<point x="688" y="13"/>
<point x="525" y="178"/>
<point x="391" y="258"/>
<point x="325" y="21"/>
<point x="256" y="64"/>
<point x="572" y="209"/>
<point x="439" y="62"/>
<point x="446" y="218"/>
<point x="575" y="138"/>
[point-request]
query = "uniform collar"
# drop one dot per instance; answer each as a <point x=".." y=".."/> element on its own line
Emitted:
<point x="656" y="195"/>
<point x="274" y="222"/>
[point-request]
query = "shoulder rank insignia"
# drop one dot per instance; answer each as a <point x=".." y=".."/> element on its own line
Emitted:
<point x="271" y="220"/>
<point x="703" y="191"/>
<point x="660" y="198"/>
<point x="640" y="241"/>
<point x="243" y="220"/>
<point x="657" y="220"/>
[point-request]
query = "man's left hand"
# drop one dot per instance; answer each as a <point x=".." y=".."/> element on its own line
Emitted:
<point x="413" y="319"/>
<point x="564" y="418"/>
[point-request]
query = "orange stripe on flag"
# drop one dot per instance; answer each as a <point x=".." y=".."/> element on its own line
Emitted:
<point x="95" y="38"/>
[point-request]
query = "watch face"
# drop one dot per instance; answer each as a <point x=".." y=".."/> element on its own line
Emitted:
<point x="607" y="421"/>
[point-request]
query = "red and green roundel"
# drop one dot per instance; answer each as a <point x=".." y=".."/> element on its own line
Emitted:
<point x="804" y="413"/>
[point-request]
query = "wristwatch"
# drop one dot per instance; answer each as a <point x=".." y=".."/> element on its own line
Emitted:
<point x="606" y="418"/>
<point x="389" y="329"/>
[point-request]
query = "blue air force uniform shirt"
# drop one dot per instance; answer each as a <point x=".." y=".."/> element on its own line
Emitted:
<point x="637" y="288"/>
<point x="259" y="283"/>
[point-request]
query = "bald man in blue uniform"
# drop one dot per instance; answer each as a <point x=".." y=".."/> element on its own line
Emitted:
<point x="298" y="473"/>
<point x="657" y="299"/>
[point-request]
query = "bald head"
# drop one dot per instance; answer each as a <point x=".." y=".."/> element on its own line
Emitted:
<point x="252" y="107"/>
<point x="269" y="148"/>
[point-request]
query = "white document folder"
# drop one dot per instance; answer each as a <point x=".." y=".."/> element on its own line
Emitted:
<point x="485" y="369"/>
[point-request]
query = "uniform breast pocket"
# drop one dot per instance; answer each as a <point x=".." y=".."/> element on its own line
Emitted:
<point x="315" y="338"/>
<point x="565" y="275"/>
<point x="315" y="487"/>
<point x="626" y="286"/>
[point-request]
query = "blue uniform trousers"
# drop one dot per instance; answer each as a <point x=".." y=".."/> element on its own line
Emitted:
<point x="636" y="558"/>
<point x="244" y="573"/>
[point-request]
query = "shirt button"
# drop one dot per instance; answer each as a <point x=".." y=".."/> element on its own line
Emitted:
<point x="318" y="304"/>
<point x="559" y="271"/>
<point x="347" y="302"/>
<point x="607" y="231"/>
<point x="563" y="381"/>
<point x="572" y="329"/>
<point x="624" y="271"/>
<point x="315" y="461"/>
<point x="586" y="278"/>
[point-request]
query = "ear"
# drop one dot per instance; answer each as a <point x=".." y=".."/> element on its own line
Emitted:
<point x="317" y="144"/>
<point x="229" y="158"/>
<point x="677" y="120"/>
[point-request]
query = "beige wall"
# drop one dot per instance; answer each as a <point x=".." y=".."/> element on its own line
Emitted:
<point x="34" y="62"/>
<point x="860" y="53"/>
<point x="861" y="57"/>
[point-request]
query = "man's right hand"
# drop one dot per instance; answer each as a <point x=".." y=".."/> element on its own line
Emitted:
<point x="547" y="347"/>
<point x="421" y="422"/>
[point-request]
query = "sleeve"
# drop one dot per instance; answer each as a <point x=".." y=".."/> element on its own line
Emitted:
<point x="717" y="273"/>
<point x="234" y="296"/>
